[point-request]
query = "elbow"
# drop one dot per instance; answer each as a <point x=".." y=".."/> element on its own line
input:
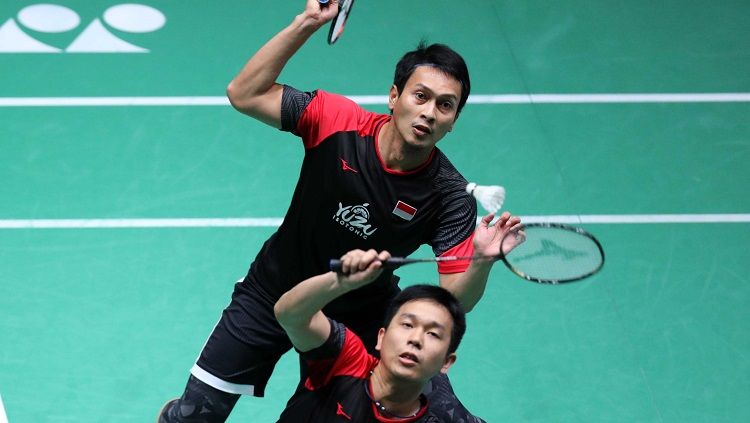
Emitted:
<point x="280" y="312"/>
<point x="468" y="302"/>
<point x="233" y="95"/>
<point x="242" y="99"/>
<point x="285" y="315"/>
<point x="287" y="319"/>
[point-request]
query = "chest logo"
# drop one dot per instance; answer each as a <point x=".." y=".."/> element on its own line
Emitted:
<point x="356" y="219"/>
<point x="404" y="211"/>
<point x="345" y="166"/>
<point x="340" y="411"/>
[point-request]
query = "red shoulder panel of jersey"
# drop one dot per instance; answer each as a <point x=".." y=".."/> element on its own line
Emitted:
<point x="353" y="360"/>
<point x="330" y="113"/>
<point x="465" y="248"/>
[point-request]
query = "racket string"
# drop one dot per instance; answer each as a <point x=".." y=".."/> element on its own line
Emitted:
<point x="556" y="253"/>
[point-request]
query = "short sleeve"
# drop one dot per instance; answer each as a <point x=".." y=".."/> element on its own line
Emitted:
<point x="343" y="354"/>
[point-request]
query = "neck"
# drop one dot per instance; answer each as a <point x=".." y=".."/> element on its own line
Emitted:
<point x="400" y="398"/>
<point x="396" y="153"/>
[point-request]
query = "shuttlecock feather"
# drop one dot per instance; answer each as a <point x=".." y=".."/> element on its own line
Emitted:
<point x="491" y="197"/>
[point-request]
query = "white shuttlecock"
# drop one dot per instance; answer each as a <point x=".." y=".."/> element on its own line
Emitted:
<point x="491" y="197"/>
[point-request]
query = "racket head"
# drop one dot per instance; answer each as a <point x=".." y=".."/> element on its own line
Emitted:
<point x="338" y="23"/>
<point x="554" y="253"/>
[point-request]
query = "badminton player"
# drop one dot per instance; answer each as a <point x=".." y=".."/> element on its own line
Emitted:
<point x="368" y="181"/>
<point x="423" y="327"/>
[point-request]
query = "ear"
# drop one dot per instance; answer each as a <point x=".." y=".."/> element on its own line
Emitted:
<point x="392" y="97"/>
<point x="449" y="360"/>
<point x="379" y="345"/>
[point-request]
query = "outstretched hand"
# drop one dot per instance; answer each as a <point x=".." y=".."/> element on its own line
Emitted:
<point x="487" y="237"/>
<point x="358" y="268"/>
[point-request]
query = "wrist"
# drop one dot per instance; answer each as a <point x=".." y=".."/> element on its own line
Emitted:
<point x="485" y="264"/>
<point x="306" y="24"/>
<point x="338" y="284"/>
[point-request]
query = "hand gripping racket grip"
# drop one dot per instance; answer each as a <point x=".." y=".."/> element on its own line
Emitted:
<point x="392" y="263"/>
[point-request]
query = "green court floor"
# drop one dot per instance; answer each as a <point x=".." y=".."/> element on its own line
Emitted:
<point x="102" y="323"/>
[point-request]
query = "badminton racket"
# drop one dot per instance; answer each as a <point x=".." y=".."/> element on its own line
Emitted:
<point x="339" y="22"/>
<point x="551" y="253"/>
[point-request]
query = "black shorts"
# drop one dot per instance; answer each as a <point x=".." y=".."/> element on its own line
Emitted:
<point x="244" y="347"/>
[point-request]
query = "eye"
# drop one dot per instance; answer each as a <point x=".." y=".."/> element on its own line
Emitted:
<point x="420" y="95"/>
<point x="406" y="325"/>
<point x="434" y="334"/>
<point x="447" y="105"/>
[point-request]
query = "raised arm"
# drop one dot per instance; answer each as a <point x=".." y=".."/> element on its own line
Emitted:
<point x="469" y="286"/>
<point x="299" y="309"/>
<point x="254" y="91"/>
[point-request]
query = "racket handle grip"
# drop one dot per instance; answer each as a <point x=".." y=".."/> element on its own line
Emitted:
<point x="334" y="265"/>
<point x="392" y="263"/>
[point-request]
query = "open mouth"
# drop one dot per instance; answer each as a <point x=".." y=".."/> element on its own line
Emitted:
<point x="409" y="357"/>
<point x="422" y="129"/>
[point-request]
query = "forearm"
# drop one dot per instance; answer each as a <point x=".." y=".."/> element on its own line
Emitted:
<point x="468" y="287"/>
<point x="255" y="86"/>
<point x="298" y="305"/>
<point x="488" y="240"/>
<point x="299" y="310"/>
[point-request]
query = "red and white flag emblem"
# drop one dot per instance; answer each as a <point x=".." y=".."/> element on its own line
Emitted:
<point x="404" y="210"/>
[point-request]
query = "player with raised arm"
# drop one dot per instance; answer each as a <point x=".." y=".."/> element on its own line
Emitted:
<point x="368" y="181"/>
<point x="418" y="340"/>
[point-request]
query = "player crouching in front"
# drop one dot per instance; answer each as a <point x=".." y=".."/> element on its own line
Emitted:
<point x="423" y="328"/>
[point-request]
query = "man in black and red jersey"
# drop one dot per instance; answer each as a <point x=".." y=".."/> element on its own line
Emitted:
<point x="368" y="181"/>
<point x="423" y="327"/>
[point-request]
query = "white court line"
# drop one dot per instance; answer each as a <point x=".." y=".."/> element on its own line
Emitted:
<point x="232" y="222"/>
<point x="610" y="98"/>
<point x="3" y="416"/>
<point x="640" y="218"/>
<point x="273" y="222"/>
<point x="381" y="99"/>
<point x="111" y="101"/>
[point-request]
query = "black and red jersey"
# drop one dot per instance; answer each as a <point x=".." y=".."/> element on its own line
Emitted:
<point x="337" y="387"/>
<point x="346" y="198"/>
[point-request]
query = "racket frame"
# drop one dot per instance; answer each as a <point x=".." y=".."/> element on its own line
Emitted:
<point x="342" y="14"/>
<point x="563" y="226"/>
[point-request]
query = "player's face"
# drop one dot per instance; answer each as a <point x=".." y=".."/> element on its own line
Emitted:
<point x="414" y="346"/>
<point x="427" y="108"/>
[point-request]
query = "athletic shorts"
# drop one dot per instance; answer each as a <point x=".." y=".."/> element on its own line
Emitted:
<point x="247" y="342"/>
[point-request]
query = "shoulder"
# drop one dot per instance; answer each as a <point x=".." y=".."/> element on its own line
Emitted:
<point x="448" y="182"/>
<point x="330" y="113"/>
<point x="446" y="172"/>
<point x="343" y="354"/>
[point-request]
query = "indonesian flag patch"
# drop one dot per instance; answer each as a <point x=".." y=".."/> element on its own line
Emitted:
<point x="404" y="211"/>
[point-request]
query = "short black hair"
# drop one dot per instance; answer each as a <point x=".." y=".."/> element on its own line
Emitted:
<point x="437" y="295"/>
<point x="439" y="56"/>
